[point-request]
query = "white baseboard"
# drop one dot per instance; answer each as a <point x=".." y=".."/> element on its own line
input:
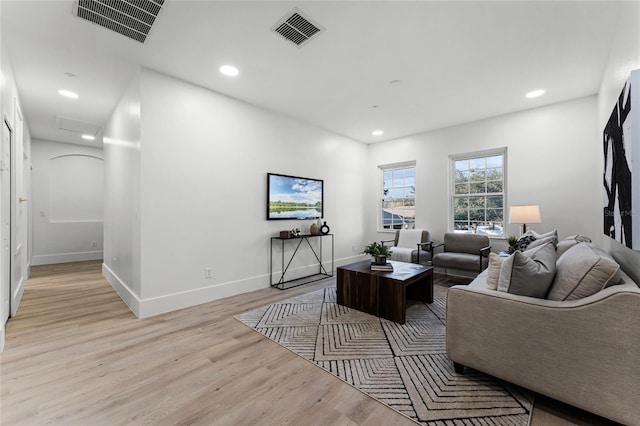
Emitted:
<point x="123" y="290"/>
<point x="2" y="338"/>
<point x="50" y="259"/>
<point x="17" y="295"/>
<point x="171" y="302"/>
<point x="144" y="308"/>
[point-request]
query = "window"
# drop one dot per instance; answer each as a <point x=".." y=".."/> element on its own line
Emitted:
<point x="398" y="196"/>
<point x="478" y="188"/>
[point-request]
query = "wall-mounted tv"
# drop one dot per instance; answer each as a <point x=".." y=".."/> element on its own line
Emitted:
<point x="292" y="197"/>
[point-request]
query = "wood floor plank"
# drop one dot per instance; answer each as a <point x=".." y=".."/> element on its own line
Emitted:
<point x="76" y="355"/>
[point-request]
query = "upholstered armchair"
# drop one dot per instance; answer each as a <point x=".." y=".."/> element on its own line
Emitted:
<point x="411" y="245"/>
<point x="462" y="251"/>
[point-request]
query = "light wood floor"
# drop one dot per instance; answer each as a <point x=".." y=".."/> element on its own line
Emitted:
<point x="75" y="354"/>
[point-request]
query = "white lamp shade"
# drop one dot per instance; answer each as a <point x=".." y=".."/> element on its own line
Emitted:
<point x="524" y="214"/>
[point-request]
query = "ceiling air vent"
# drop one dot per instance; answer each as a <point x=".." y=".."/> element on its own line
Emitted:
<point x="131" y="18"/>
<point x="297" y="28"/>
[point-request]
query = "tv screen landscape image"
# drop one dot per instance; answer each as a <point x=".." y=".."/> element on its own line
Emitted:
<point x="292" y="197"/>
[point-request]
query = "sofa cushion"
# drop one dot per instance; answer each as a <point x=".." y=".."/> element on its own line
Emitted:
<point x="569" y="242"/>
<point x="541" y="239"/>
<point x="583" y="270"/>
<point x="493" y="271"/>
<point x="528" y="276"/>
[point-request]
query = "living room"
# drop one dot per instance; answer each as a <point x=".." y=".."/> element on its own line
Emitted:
<point x="185" y="177"/>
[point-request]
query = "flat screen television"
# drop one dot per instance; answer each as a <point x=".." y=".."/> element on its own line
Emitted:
<point x="292" y="197"/>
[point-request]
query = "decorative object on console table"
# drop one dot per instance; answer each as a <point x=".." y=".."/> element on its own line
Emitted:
<point x="524" y="214"/>
<point x="285" y="234"/>
<point x="314" y="230"/>
<point x="324" y="229"/>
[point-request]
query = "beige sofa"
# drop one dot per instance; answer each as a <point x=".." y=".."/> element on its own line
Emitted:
<point x="584" y="352"/>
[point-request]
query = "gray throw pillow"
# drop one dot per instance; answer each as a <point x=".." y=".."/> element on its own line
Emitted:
<point x="583" y="270"/>
<point x="528" y="276"/>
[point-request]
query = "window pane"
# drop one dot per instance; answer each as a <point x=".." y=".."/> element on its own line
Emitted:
<point x="462" y="165"/>
<point x="477" y="163"/>
<point x="476" y="215"/>
<point x="495" y="161"/>
<point x="476" y="202"/>
<point x="494" y="202"/>
<point x="478" y="188"/>
<point x="493" y="187"/>
<point x="460" y="203"/>
<point x="460" y="214"/>
<point x="462" y="176"/>
<point x="478" y="175"/>
<point x="462" y="188"/>
<point x="494" y="174"/>
<point x="494" y="215"/>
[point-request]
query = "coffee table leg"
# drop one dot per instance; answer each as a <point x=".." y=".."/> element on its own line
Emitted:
<point x="422" y="290"/>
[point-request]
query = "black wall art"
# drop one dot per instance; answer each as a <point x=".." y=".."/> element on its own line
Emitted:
<point x="621" y="143"/>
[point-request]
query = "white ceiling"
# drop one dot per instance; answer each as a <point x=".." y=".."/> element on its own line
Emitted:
<point x="456" y="61"/>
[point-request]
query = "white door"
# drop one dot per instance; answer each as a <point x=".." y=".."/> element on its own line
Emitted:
<point x="19" y="212"/>
<point x="5" y="222"/>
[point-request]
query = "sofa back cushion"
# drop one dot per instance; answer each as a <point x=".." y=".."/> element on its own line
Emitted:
<point x="581" y="271"/>
<point x="528" y="273"/>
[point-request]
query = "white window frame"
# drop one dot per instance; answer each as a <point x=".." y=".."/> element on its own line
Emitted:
<point x="452" y="178"/>
<point x="381" y="169"/>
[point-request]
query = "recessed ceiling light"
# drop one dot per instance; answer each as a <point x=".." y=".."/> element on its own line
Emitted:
<point x="68" y="94"/>
<point x="535" y="93"/>
<point x="229" y="70"/>
<point x="88" y="137"/>
<point x="377" y="132"/>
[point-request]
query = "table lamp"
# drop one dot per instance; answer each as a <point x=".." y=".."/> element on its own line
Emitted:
<point x="524" y="214"/>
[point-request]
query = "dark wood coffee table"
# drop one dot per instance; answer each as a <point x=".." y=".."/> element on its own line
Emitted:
<point x="384" y="294"/>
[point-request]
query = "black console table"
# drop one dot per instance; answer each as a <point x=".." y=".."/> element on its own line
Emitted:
<point x="283" y="283"/>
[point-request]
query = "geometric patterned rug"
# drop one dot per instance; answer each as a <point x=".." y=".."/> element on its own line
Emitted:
<point x="404" y="366"/>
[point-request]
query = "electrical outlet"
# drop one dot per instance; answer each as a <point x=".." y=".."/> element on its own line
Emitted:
<point x="94" y="244"/>
<point x="208" y="272"/>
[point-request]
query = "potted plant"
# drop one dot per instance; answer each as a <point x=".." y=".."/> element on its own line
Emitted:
<point x="378" y="251"/>
<point x="512" y="240"/>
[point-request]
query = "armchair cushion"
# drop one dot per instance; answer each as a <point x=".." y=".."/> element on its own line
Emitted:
<point x="405" y="245"/>
<point x="529" y="275"/>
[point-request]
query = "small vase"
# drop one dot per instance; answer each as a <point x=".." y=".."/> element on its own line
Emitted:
<point x="314" y="230"/>
<point x="380" y="259"/>
<point x="324" y="229"/>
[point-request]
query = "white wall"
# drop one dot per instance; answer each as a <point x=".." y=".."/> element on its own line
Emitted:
<point x="551" y="157"/>
<point x="122" y="243"/>
<point x="67" y="182"/>
<point x="623" y="58"/>
<point x="204" y="162"/>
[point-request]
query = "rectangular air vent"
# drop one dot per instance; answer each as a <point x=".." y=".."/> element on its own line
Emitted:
<point x="78" y="126"/>
<point x="131" y="18"/>
<point x="297" y="28"/>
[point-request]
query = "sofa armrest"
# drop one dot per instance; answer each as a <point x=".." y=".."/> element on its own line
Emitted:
<point x="584" y="352"/>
